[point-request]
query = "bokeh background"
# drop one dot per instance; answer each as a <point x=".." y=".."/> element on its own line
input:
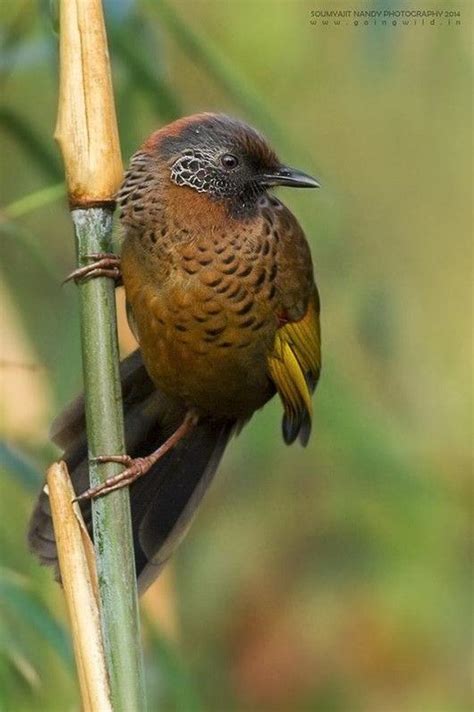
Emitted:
<point x="335" y="578"/>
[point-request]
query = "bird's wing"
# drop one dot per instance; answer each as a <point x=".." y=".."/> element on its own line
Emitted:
<point x="294" y="367"/>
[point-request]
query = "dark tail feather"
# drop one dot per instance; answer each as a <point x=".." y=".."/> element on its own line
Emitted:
<point x="164" y="501"/>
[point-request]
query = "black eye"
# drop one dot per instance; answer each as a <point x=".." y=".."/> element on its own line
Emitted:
<point x="229" y="161"/>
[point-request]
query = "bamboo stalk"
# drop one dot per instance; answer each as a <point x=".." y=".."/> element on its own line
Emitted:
<point x="77" y="563"/>
<point x="86" y="127"/>
<point x="88" y="137"/>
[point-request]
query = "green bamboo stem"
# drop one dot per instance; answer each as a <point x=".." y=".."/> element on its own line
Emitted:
<point x="87" y="134"/>
<point x="111" y="514"/>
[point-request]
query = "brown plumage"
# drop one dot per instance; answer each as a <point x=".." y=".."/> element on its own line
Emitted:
<point x="222" y="300"/>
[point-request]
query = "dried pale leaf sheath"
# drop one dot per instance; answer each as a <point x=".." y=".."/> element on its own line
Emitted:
<point x="86" y="128"/>
<point x="76" y="559"/>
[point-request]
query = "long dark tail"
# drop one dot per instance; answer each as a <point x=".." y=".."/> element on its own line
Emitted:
<point x="164" y="501"/>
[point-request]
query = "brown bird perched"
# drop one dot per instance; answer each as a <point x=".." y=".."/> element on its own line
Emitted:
<point x="222" y="300"/>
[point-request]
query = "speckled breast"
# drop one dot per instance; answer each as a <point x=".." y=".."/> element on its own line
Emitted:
<point x="205" y="318"/>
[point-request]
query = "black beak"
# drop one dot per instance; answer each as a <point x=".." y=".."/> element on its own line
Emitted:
<point x="290" y="177"/>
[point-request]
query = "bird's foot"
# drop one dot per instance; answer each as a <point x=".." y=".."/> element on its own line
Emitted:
<point x="138" y="466"/>
<point x="135" y="468"/>
<point x="105" y="264"/>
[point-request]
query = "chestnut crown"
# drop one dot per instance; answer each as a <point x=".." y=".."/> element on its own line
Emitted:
<point x="226" y="159"/>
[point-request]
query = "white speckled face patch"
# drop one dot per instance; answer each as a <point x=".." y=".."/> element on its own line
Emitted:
<point x="196" y="168"/>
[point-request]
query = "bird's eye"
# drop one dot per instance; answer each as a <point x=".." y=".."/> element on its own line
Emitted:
<point x="229" y="161"/>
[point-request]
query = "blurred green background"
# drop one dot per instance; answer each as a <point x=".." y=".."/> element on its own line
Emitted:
<point x="335" y="578"/>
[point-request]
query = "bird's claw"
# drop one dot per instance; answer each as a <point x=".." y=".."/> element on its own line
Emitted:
<point x="121" y="459"/>
<point x="105" y="264"/>
<point x="136" y="467"/>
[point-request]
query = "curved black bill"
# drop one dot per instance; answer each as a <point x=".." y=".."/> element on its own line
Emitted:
<point x="290" y="177"/>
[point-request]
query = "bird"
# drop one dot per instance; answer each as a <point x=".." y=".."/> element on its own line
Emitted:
<point x="222" y="299"/>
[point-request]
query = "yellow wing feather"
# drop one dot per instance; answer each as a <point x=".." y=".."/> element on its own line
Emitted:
<point x="294" y="367"/>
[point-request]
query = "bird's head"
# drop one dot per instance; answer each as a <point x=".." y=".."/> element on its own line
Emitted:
<point x="222" y="158"/>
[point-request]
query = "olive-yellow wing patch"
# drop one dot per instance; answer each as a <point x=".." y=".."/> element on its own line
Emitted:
<point x="294" y="367"/>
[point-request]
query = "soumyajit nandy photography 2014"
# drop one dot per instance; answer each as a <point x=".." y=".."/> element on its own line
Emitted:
<point x="236" y="286"/>
<point x="387" y="16"/>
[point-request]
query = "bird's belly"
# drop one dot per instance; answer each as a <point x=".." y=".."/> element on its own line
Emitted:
<point x="201" y="350"/>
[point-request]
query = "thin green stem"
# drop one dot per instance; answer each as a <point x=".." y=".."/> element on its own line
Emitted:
<point x="111" y="514"/>
<point x="27" y="203"/>
<point x="206" y="54"/>
<point x="153" y="85"/>
<point x="38" y="150"/>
